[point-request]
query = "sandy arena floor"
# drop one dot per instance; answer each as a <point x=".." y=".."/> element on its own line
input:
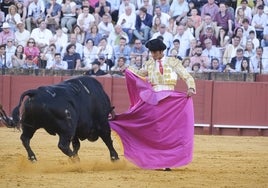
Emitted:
<point x="219" y="161"/>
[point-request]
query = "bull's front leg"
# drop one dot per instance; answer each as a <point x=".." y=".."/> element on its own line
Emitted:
<point x="105" y="135"/>
<point x="64" y="146"/>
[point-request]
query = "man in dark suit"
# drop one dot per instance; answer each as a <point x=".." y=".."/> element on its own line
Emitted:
<point x="236" y="61"/>
<point x="143" y="25"/>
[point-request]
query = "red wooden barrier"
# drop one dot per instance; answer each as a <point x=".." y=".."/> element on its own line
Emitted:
<point x="236" y="108"/>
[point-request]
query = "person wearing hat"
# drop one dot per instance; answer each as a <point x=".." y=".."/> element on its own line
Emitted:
<point x="157" y="131"/>
<point x="6" y="33"/>
<point x="96" y="70"/>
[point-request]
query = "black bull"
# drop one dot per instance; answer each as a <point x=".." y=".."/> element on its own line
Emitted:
<point x="76" y="109"/>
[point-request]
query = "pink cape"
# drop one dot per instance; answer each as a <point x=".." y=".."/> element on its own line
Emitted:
<point x="157" y="130"/>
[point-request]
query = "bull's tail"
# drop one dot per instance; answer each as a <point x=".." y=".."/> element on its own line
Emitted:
<point x="16" y="110"/>
<point x="5" y="119"/>
<point x="14" y="121"/>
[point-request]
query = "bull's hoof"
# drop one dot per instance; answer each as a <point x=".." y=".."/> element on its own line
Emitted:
<point x="74" y="159"/>
<point x="32" y="159"/>
<point x="114" y="158"/>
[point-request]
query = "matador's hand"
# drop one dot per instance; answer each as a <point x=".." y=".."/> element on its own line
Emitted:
<point x="190" y="92"/>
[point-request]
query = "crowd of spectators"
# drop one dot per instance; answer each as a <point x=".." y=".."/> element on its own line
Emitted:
<point x="101" y="35"/>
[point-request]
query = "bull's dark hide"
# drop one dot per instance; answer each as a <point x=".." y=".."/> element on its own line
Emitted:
<point x="75" y="109"/>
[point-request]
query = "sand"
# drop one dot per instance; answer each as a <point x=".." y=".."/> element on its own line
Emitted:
<point x="219" y="161"/>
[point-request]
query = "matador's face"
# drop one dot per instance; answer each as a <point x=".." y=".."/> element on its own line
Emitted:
<point x="157" y="54"/>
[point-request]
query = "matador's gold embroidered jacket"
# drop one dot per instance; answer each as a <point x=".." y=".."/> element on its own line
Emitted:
<point x="172" y="69"/>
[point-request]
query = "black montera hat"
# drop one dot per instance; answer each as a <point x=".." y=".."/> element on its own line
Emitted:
<point x="155" y="45"/>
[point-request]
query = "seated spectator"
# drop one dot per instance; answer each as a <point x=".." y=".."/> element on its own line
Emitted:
<point x="21" y="10"/>
<point x="259" y="21"/>
<point x="138" y="49"/>
<point x="36" y="13"/>
<point x="136" y="62"/>
<point x="211" y="51"/>
<point x="216" y="66"/>
<point x="143" y="25"/>
<point x="32" y="53"/>
<point x="115" y="36"/>
<point x="10" y="51"/>
<point x="223" y="38"/>
<point x="79" y="33"/>
<point x="209" y="34"/>
<point x="48" y="57"/>
<point x="230" y="50"/>
<point x="122" y="50"/>
<point x="178" y="10"/>
<point x="239" y="32"/>
<point x="85" y="20"/>
<point x="120" y="66"/>
<point x="184" y="36"/>
<point x="53" y="15"/>
<point x="224" y="19"/>
<point x="57" y="63"/>
<point x="105" y="27"/>
<point x="236" y="62"/>
<point x="106" y="50"/>
<point x="78" y="45"/>
<point x="207" y="22"/>
<point x="42" y="35"/>
<point x="186" y="64"/>
<point x="21" y="35"/>
<point x="114" y="9"/>
<point x="164" y="17"/>
<point x="257" y="60"/>
<point x="247" y="28"/>
<point x="103" y="63"/>
<point x="210" y="8"/>
<point x="102" y="7"/>
<point x="252" y="37"/>
<point x="176" y="46"/>
<point x="12" y="18"/>
<point x="18" y="59"/>
<point x="60" y="39"/>
<point x="190" y="51"/>
<point x="123" y="5"/>
<point x="6" y="33"/>
<point x="196" y="18"/>
<point x="148" y="5"/>
<point x="68" y="18"/>
<point x="156" y="26"/>
<point x="94" y="35"/>
<point x="203" y="61"/>
<point x="172" y="26"/>
<point x="72" y="58"/>
<point x="164" y="6"/>
<point x="96" y="70"/>
<point x="249" y="50"/>
<point x="196" y="68"/>
<point x="3" y="56"/>
<point x="90" y="52"/>
<point x="245" y="67"/>
<point x="128" y="20"/>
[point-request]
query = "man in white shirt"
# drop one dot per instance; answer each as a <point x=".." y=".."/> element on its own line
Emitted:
<point x="167" y="37"/>
<point x="57" y="64"/>
<point x="163" y="16"/>
<point x="85" y="19"/>
<point x="21" y="35"/>
<point x="185" y="38"/>
<point x="105" y="26"/>
<point x="128" y="20"/>
<point x="42" y="35"/>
